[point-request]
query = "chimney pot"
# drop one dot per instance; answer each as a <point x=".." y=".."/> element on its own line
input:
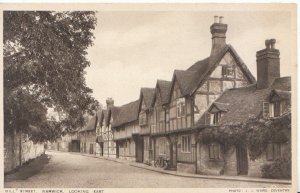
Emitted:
<point x="272" y="41"/>
<point x="267" y="43"/>
<point x="221" y="19"/>
<point x="216" y="19"/>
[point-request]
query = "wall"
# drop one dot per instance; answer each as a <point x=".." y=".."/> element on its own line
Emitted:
<point x="18" y="150"/>
<point x="127" y="149"/>
<point x="189" y="157"/>
<point x="216" y="84"/>
<point x="147" y="149"/>
<point x="216" y="167"/>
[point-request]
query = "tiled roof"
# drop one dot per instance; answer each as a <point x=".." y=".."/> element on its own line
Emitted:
<point x="191" y="79"/>
<point x="165" y="89"/>
<point x="246" y="102"/>
<point x="282" y="83"/>
<point x="185" y="79"/>
<point x="148" y="96"/>
<point x="126" y="114"/>
<point x="91" y="125"/>
<point x="281" y="93"/>
<point x="221" y="106"/>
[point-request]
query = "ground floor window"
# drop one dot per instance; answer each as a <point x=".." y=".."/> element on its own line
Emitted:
<point x="186" y="144"/>
<point x="214" y="151"/>
<point x="274" y="151"/>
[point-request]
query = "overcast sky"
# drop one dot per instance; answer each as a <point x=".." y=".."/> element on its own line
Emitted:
<point x="133" y="49"/>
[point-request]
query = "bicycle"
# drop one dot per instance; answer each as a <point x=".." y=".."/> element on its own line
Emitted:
<point x="162" y="162"/>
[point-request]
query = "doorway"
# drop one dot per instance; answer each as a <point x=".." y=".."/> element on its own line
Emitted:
<point x="242" y="160"/>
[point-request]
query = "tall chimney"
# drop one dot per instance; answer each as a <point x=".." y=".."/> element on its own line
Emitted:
<point x="268" y="64"/>
<point x="109" y="102"/>
<point x="218" y="31"/>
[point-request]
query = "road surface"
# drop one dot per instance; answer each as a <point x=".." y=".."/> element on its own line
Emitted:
<point x="69" y="170"/>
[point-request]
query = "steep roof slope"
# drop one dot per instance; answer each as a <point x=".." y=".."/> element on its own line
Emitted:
<point x="165" y="89"/>
<point x="192" y="78"/>
<point x="247" y="102"/>
<point x="126" y="114"/>
<point x="148" y="96"/>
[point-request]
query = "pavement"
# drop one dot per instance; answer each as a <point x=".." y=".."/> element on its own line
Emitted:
<point x="74" y="170"/>
<point x="176" y="173"/>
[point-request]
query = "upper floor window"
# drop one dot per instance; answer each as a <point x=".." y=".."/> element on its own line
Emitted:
<point x="275" y="109"/>
<point x="142" y="119"/>
<point x="186" y="144"/>
<point x="215" y="118"/>
<point x="227" y="71"/>
<point x="274" y="151"/>
<point x="180" y="107"/>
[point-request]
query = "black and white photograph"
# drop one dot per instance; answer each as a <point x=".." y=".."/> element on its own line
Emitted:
<point x="195" y="96"/>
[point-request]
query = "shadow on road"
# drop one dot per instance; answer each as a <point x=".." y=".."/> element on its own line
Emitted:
<point x="28" y="170"/>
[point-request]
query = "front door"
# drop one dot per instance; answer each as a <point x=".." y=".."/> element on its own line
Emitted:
<point x="242" y="160"/>
<point x="91" y="149"/>
<point x="139" y="150"/>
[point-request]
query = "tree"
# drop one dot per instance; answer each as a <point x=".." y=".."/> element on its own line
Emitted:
<point x="44" y="61"/>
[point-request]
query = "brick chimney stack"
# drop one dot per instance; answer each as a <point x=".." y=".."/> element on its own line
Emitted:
<point x="268" y="64"/>
<point x="218" y="31"/>
<point x="109" y="102"/>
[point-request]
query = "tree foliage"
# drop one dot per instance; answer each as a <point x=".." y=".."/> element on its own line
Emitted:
<point x="44" y="62"/>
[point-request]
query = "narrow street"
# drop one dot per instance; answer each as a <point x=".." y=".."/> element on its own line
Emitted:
<point x="67" y="170"/>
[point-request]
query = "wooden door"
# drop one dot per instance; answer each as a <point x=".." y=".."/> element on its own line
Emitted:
<point x="242" y="160"/>
<point x="140" y="150"/>
<point x="91" y="149"/>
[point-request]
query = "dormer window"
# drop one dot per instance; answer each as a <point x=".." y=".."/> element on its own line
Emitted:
<point x="180" y="107"/>
<point x="275" y="109"/>
<point x="276" y="103"/>
<point x="227" y="71"/>
<point x="215" y="117"/>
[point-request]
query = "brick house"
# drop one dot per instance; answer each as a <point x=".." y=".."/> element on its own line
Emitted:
<point x="126" y="132"/>
<point x="269" y="99"/>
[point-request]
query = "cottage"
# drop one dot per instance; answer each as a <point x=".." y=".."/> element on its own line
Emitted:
<point x="145" y="121"/>
<point x="126" y="131"/>
<point x="105" y="139"/>
<point x="269" y="100"/>
<point x="87" y="136"/>
<point x="191" y="93"/>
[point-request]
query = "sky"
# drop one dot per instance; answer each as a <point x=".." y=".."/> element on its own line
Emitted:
<point x="133" y="49"/>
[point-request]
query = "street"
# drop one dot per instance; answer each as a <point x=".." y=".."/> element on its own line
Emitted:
<point x="67" y="170"/>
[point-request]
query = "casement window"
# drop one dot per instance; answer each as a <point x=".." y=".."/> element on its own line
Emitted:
<point x="275" y="109"/>
<point x="214" y="151"/>
<point x="215" y="118"/>
<point x="274" y="151"/>
<point x="143" y="119"/>
<point x="227" y="71"/>
<point x="180" y="107"/>
<point x="186" y="144"/>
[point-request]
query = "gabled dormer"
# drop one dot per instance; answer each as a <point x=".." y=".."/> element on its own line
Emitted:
<point x="216" y="111"/>
<point x="277" y="103"/>
<point x="146" y="101"/>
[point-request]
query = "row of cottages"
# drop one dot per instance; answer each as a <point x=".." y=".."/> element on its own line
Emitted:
<point x="179" y="119"/>
<point x="177" y="106"/>
<point x="214" y="92"/>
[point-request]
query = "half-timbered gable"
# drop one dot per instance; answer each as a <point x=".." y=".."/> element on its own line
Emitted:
<point x="227" y="71"/>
